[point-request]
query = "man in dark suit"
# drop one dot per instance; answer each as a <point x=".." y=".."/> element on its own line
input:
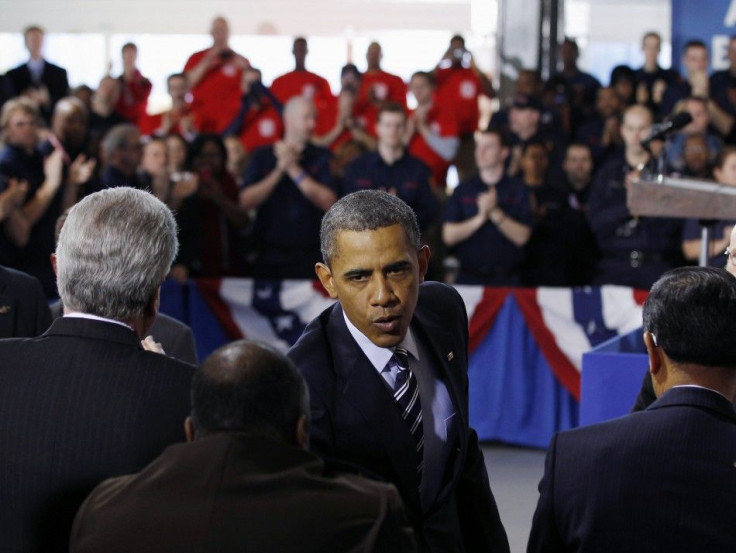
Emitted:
<point x="23" y="309"/>
<point x="387" y="374"/>
<point x="245" y="482"/>
<point x="44" y="82"/>
<point x="84" y="402"/>
<point x="663" y="479"/>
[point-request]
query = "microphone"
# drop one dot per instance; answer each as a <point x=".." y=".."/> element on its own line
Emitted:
<point x="669" y="125"/>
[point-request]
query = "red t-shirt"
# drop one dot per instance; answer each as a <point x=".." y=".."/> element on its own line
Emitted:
<point x="134" y="98"/>
<point x="460" y="88"/>
<point x="216" y="97"/>
<point x="310" y="85"/>
<point x="377" y="87"/>
<point x="441" y="121"/>
<point x="261" y="127"/>
<point x="150" y="125"/>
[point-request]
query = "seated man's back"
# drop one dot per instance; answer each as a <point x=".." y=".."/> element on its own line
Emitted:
<point x="246" y="481"/>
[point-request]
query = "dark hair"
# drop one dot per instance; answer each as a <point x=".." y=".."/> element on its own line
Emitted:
<point x="248" y="384"/>
<point x="129" y="46"/>
<point x="195" y="148"/>
<point x="535" y="142"/>
<point x="458" y="38"/>
<point x="622" y="72"/>
<point x="692" y="313"/>
<point x="723" y="154"/>
<point x="33" y="29"/>
<point x="351" y="68"/>
<point x="390" y="107"/>
<point x="425" y="75"/>
<point x="496" y="131"/>
<point x="366" y="210"/>
<point x="651" y="34"/>
<point x="694" y="43"/>
<point x="175" y="76"/>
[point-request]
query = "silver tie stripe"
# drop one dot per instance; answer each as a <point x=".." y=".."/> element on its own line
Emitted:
<point x="406" y="394"/>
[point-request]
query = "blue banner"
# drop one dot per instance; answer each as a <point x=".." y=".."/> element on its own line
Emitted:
<point x="712" y="21"/>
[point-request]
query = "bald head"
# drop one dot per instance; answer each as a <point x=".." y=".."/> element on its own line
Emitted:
<point x="220" y="32"/>
<point x="300" y="117"/>
<point x="249" y="385"/>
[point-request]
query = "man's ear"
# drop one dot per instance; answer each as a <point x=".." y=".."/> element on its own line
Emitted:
<point x="53" y="263"/>
<point x="302" y="432"/>
<point x="153" y="303"/>
<point x="423" y="255"/>
<point x="653" y="352"/>
<point x="325" y="277"/>
<point x="189" y="429"/>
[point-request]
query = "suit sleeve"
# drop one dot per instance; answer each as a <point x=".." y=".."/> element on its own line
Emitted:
<point x="480" y="521"/>
<point x="544" y="534"/>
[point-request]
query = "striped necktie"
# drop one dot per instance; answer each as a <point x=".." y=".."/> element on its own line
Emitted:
<point x="406" y="394"/>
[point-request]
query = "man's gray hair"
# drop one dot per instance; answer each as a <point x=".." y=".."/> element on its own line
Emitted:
<point x="117" y="137"/>
<point x="366" y="210"/>
<point x="115" y="249"/>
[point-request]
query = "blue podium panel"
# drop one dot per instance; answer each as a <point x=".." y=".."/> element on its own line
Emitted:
<point x="611" y="378"/>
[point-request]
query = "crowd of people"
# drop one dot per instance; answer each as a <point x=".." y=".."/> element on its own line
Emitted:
<point x="359" y="438"/>
<point x="250" y="169"/>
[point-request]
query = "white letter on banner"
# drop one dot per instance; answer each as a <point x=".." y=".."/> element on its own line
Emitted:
<point x="730" y="19"/>
<point x="719" y="49"/>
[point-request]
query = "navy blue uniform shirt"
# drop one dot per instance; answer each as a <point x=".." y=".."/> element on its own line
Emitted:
<point x="408" y="175"/>
<point x="488" y="257"/>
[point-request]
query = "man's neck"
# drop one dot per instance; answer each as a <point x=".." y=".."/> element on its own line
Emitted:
<point x="491" y="175"/>
<point x="650" y="66"/>
<point x="300" y="66"/>
<point x="390" y="155"/>
<point x="718" y="379"/>
<point x="636" y="157"/>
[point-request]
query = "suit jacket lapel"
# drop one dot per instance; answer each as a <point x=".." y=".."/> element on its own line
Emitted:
<point x="448" y="362"/>
<point x="365" y="390"/>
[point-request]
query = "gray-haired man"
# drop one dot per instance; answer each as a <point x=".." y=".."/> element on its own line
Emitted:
<point x="84" y="402"/>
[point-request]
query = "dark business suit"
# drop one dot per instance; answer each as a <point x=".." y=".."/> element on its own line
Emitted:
<point x="663" y="479"/>
<point x="233" y="492"/>
<point x="23" y="309"/>
<point x="19" y="79"/>
<point x="355" y="420"/>
<point x="174" y="336"/>
<point x="79" y="404"/>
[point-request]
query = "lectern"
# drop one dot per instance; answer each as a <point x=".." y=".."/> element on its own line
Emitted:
<point x="663" y="196"/>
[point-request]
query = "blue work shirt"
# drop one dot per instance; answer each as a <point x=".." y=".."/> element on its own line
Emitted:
<point x="487" y="257"/>
<point x="408" y="176"/>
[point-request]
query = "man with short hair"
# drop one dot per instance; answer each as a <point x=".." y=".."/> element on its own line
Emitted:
<point x="214" y="77"/>
<point x="635" y="251"/>
<point x="583" y="86"/>
<point x="460" y="83"/>
<point x="391" y="169"/>
<point x="122" y="151"/>
<point x="694" y="83"/>
<point x="84" y="402"/>
<point x="488" y="219"/>
<point x="376" y="87"/>
<point x="661" y="479"/>
<point x="387" y="373"/>
<point x="134" y="87"/>
<point x="289" y="183"/>
<point x="698" y="109"/>
<point x="43" y="82"/>
<point x="301" y="82"/>
<point x="247" y="467"/>
<point x="651" y="79"/>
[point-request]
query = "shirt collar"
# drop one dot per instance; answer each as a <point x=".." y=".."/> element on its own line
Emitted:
<point x="76" y="315"/>
<point x="379" y="356"/>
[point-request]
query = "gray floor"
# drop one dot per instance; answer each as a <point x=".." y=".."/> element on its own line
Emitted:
<point x="514" y="474"/>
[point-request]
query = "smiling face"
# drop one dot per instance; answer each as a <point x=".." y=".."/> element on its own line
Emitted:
<point x="376" y="275"/>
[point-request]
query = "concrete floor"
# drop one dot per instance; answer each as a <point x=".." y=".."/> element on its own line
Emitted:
<point x="514" y="474"/>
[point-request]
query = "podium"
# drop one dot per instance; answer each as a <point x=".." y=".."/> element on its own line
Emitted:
<point x="663" y="196"/>
<point x="686" y="198"/>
